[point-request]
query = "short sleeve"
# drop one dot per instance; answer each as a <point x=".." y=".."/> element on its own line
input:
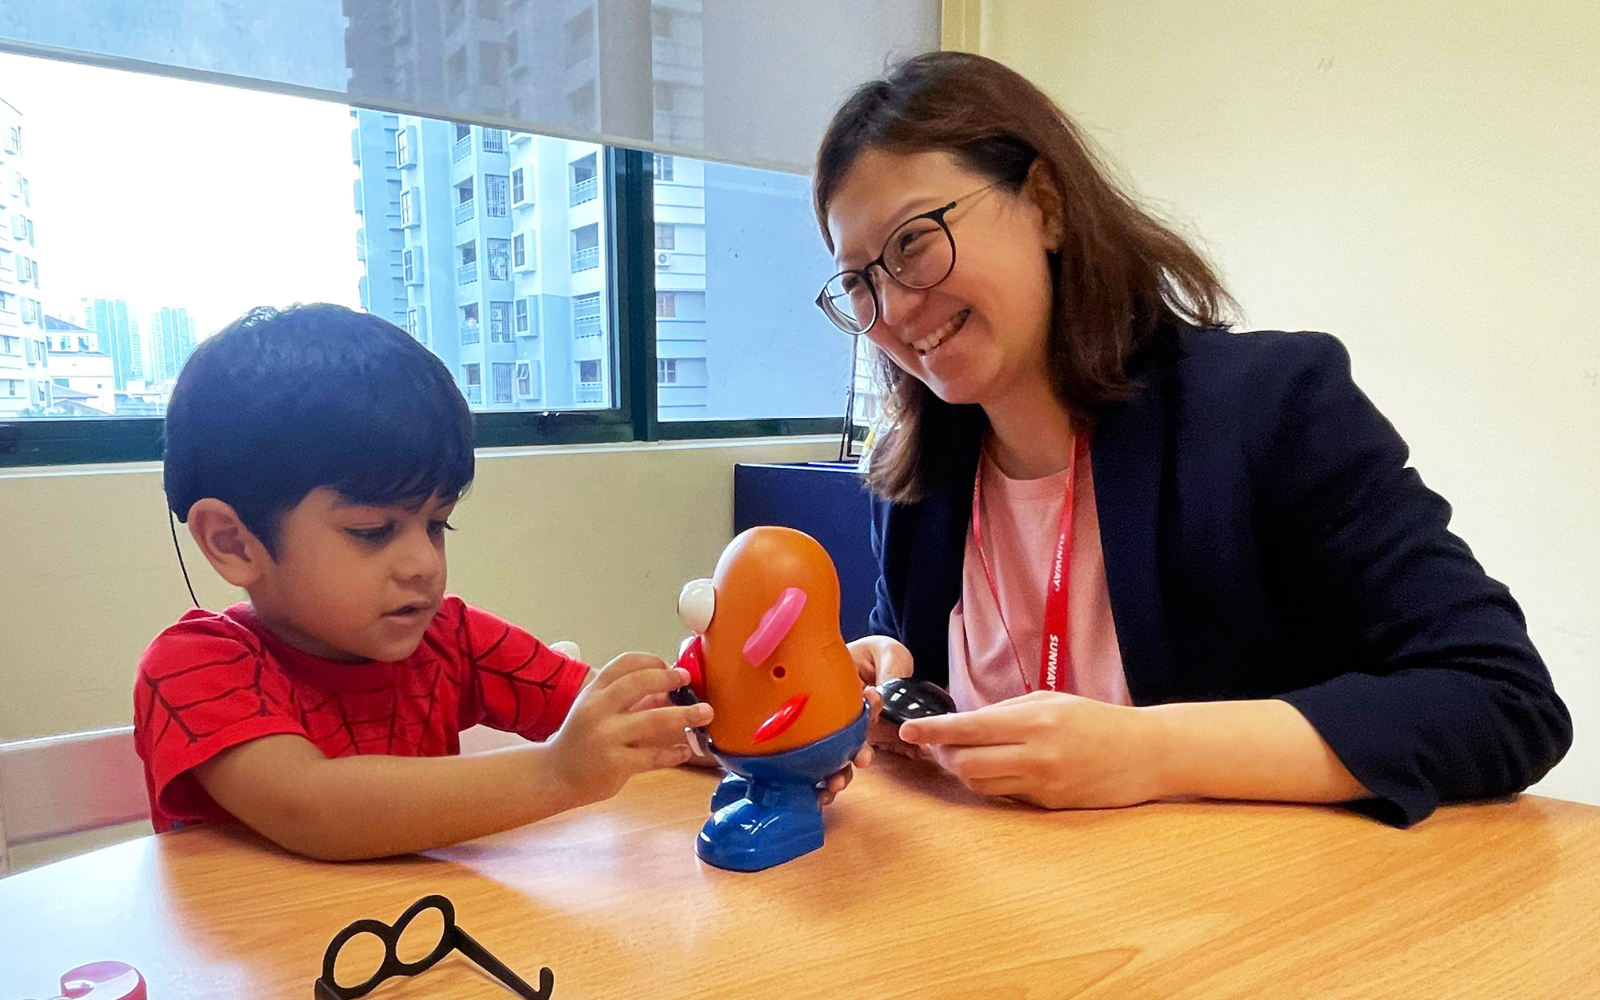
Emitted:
<point x="203" y="687"/>
<point x="514" y="682"/>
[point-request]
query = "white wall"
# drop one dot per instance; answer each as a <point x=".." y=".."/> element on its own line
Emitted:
<point x="1419" y="177"/>
<point x="587" y="544"/>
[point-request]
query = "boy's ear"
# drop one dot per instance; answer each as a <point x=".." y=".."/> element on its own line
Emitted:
<point x="232" y="549"/>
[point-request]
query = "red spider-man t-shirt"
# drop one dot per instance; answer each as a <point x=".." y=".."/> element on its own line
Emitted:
<point x="214" y="681"/>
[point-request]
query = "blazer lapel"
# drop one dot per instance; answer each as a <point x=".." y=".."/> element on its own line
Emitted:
<point x="1130" y="464"/>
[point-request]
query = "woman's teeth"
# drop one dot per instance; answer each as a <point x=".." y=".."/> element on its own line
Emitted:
<point x="942" y="334"/>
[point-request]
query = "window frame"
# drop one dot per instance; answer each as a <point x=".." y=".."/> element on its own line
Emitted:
<point x="629" y="305"/>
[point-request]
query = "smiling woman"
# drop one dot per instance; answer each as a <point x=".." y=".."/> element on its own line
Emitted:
<point x="1150" y="557"/>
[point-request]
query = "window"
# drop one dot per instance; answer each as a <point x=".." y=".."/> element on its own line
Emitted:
<point x="585" y="181"/>
<point x="495" y="186"/>
<point x="14" y="139"/>
<point x="666" y="237"/>
<point x="585" y="248"/>
<point x="13" y="384"/>
<point x="499" y="259"/>
<point x="666" y="371"/>
<point x="556" y="317"/>
<point x="472" y="382"/>
<point x="500" y="372"/>
<point x="500" y="322"/>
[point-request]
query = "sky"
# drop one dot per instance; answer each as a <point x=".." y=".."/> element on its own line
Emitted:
<point x="173" y="193"/>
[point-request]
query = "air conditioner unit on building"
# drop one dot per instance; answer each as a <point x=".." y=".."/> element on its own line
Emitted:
<point x="663" y="260"/>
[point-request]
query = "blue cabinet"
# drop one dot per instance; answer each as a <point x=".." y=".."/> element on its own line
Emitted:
<point x="828" y="501"/>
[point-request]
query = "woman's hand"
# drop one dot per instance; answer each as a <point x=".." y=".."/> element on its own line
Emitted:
<point x="1054" y="750"/>
<point x="841" y="778"/>
<point x="879" y="658"/>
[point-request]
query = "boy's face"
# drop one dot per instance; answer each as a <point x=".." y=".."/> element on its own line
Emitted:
<point x="353" y="582"/>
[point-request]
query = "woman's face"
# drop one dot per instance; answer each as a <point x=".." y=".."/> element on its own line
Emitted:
<point x="979" y="334"/>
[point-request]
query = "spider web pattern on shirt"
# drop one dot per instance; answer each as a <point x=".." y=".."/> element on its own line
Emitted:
<point x="404" y="718"/>
<point x="514" y="690"/>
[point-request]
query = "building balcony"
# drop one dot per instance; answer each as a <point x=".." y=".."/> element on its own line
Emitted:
<point x="464" y="211"/>
<point x="474" y="394"/>
<point x="471" y="333"/>
<point x="587" y="392"/>
<point x="466" y="274"/>
<point x="586" y="259"/>
<point x="586" y="326"/>
<point x="461" y="149"/>
<point x="587" y="190"/>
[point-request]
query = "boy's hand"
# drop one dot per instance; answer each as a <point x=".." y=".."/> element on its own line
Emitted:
<point x="608" y="737"/>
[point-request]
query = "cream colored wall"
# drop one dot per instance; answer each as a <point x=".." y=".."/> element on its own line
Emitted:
<point x="588" y="544"/>
<point x="1420" y="177"/>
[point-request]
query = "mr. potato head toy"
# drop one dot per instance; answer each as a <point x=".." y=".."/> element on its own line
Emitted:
<point x="789" y="709"/>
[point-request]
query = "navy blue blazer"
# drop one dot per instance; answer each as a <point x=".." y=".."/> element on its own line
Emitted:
<point x="1264" y="538"/>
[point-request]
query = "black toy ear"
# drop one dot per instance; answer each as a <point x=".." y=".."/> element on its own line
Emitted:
<point x="907" y="698"/>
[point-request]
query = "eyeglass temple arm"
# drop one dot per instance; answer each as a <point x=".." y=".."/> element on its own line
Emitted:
<point x="478" y="953"/>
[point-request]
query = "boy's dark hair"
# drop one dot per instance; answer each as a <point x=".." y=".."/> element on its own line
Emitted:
<point x="280" y="403"/>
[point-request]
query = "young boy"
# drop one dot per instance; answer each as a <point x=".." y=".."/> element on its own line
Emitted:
<point x="316" y="455"/>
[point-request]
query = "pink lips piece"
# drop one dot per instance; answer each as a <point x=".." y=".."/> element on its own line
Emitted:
<point x="775" y="624"/>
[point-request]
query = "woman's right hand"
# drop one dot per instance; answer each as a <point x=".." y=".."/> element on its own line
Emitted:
<point x="879" y="658"/>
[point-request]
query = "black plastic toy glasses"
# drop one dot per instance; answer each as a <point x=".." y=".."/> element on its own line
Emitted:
<point x="451" y="938"/>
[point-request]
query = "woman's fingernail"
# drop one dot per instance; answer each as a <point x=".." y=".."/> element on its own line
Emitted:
<point x="701" y="713"/>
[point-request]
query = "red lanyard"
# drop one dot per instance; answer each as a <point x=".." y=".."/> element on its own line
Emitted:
<point x="1055" y="659"/>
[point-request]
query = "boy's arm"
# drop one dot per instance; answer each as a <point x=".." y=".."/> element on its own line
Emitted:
<point x="373" y="806"/>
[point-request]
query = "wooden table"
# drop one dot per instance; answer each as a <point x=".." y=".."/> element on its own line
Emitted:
<point x="921" y="891"/>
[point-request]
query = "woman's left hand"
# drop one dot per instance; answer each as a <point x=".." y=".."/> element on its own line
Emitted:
<point x="1054" y="750"/>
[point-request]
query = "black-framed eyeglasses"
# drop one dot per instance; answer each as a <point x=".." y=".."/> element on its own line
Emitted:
<point x="451" y="938"/>
<point x="920" y="253"/>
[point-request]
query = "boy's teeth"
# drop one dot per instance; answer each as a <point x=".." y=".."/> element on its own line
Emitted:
<point x="938" y="336"/>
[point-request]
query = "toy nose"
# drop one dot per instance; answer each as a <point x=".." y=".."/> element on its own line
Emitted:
<point x="696" y="604"/>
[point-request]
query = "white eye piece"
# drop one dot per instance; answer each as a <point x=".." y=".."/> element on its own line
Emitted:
<point x="696" y="604"/>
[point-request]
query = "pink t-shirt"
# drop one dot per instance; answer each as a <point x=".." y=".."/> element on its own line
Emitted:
<point x="1021" y="519"/>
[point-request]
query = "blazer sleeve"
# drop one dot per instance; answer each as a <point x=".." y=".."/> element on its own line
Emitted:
<point x="1443" y="696"/>
<point x="882" y="620"/>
